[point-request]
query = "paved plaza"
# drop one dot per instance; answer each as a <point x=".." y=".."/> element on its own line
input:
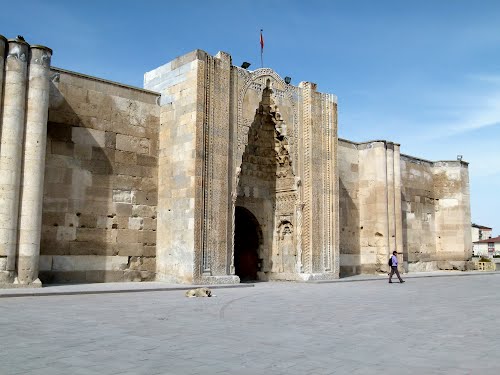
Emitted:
<point x="435" y="325"/>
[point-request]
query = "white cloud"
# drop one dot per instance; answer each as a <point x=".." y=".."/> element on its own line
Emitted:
<point x="483" y="112"/>
<point x="461" y="112"/>
<point x="490" y="78"/>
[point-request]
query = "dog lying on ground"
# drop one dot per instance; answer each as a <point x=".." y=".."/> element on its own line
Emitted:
<point x="199" y="292"/>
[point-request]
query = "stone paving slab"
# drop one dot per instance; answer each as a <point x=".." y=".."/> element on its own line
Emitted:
<point x="414" y="275"/>
<point x="106" y="288"/>
<point x="134" y="287"/>
<point x="444" y="325"/>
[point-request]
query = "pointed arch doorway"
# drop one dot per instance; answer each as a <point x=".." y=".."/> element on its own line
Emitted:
<point x="247" y="241"/>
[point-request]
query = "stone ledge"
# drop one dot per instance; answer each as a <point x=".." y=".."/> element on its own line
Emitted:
<point x="383" y="277"/>
<point x="19" y="286"/>
<point x="301" y="277"/>
<point x="219" y="280"/>
<point x="437" y="265"/>
<point x="108" y="288"/>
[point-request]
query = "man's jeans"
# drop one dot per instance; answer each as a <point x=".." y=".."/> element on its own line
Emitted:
<point x="394" y="270"/>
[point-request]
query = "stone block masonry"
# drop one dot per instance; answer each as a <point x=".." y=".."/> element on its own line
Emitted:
<point x="390" y="201"/>
<point x="99" y="221"/>
<point x="178" y="180"/>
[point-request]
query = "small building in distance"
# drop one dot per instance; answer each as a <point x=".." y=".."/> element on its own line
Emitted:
<point x="487" y="247"/>
<point x="480" y="232"/>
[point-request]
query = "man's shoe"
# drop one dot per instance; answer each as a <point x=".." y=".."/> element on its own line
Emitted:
<point x="402" y="281"/>
<point x="390" y="282"/>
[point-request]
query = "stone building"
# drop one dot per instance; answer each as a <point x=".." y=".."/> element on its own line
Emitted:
<point x="211" y="174"/>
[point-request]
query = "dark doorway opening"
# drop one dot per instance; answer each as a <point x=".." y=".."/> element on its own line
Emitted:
<point x="247" y="239"/>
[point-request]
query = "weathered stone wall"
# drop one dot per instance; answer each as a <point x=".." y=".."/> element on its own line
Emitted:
<point x="370" y="224"/>
<point x="419" y="206"/>
<point x="194" y="196"/>
<point x="391" y="202"/>
<point x="348" y="170"/>
<point x="374" y="226"/>
<point x="100" y="193"/>
<point x="177" y="174"/>
<point x="453" y="218"/>
<point x="436" y="214"/>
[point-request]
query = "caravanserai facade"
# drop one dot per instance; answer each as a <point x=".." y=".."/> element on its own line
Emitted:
<point x="211" y="174"/>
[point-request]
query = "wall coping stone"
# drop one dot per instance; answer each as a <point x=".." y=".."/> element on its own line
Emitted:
<point x="18" y="41"/>
<point x="60" y="70"/>
<point x="38" y="46"/>
<point x="367" y="142"/>
<point x="409" y="158"/>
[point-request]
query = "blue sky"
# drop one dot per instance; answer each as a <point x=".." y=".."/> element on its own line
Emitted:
<point x="425" y="74"/>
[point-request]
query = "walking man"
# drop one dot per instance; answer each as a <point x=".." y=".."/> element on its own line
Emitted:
<point x="394" y="267"/>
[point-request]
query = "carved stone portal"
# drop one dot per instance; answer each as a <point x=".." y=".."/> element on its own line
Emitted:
<point x="246" y="140"/>
<point x="267" y="187"/>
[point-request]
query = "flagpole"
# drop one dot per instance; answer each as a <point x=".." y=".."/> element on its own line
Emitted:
<point x="261" y="49"/>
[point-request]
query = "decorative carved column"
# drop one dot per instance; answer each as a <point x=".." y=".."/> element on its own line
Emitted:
<point x="336" y="194"/>
<point x="331" y="191"/>
<point x="330" y="187"/>
<point x="298" y="232"/>
<point x="319" y="192"/>
<point x="30" y="217"/>
<point x="215" y="195"/>
<point x="13" y="115"/>
<point x="234" y="196"/>
<point x="307" y="93"/>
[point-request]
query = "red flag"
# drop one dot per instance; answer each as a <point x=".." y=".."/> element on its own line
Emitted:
<point x="261" y="40"/>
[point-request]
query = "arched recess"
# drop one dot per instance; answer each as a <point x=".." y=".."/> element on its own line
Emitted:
<point x="266" y="183"/>
<point x="247" y="241"/>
